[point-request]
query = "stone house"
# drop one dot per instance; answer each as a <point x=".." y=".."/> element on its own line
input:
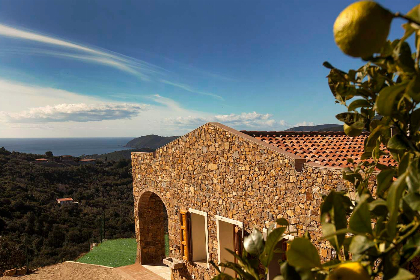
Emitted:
<point x="65" y="201"/>
<point x="208" y="188"/>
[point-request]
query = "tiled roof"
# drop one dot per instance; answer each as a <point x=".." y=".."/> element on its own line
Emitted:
<point x="64" y="199"/>
<point x="324" y="148"/>
<point x="87" y="159"/>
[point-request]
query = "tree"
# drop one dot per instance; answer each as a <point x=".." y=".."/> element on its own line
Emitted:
<point x="381" y="97"/>
<point x="49" y="154"/>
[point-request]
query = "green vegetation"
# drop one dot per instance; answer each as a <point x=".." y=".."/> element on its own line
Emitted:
<point x="167" y="244"/>
<point x="36" y="231"/>
<point x="378" y="235"/>
<point x="114" y="253"/>
<point x="117" y="155"/>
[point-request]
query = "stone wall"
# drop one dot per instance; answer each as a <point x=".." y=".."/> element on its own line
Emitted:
<point x="223" y="172"/>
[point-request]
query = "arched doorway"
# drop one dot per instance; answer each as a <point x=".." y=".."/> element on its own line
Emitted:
<point x="153" y="229"/>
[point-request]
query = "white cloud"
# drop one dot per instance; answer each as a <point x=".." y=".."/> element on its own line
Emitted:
<point x="33" y="111"/>
<point x="304" y="123"/>
<point x="75" y="112"/>
<point x="239" y="121"/>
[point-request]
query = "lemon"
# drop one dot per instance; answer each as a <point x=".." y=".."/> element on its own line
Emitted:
<point x="349" y="271"/>
<point x="362" y="28"/>
<point x="351" y="131"/>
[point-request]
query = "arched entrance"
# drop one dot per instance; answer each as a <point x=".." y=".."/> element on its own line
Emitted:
<point x="153" y="228"/>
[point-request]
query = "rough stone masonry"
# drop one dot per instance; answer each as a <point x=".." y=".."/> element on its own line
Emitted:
<point x="223" y="172"/>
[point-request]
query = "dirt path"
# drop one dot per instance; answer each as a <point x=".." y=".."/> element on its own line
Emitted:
<point x="72" y="271"/>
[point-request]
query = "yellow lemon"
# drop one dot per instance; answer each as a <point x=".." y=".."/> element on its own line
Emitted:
<point x="349" y="271"/>
<point x="362" y="28"/>
<point x="351" y="131"/>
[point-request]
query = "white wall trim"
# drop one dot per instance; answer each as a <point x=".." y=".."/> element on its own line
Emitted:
<point x="202" y="213"/>
<point x="230" y="221"/>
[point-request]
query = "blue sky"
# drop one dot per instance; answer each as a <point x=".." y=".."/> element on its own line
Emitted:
<point x="130" y="68"/>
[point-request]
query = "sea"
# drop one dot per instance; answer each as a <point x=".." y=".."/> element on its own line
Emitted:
<point x="66" y="146"/>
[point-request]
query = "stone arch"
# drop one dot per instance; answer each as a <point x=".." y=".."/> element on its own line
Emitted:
<point x="153" y="225"/>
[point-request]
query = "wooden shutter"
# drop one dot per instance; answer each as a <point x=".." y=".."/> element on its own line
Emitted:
<point x="284" y="247"/>
<point x="237" y="240"/>
<point x="189" y="237"/>
<point x="237" y="243"/>
<point x="185" y="221"/>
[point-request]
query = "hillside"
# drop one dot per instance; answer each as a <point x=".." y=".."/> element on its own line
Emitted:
<point x="150" y="141"/>
<point x="118" y="155"/>
<point x="321" y="127"/>
<point x="37" y="231"/>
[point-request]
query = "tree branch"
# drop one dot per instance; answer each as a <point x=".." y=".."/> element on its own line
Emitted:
<point x="398" y="14"/>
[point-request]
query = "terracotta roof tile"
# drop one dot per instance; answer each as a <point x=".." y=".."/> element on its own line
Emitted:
<point x="328" y="148"/>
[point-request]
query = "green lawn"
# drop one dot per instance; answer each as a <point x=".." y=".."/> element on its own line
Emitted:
<point x="114" y="253"/>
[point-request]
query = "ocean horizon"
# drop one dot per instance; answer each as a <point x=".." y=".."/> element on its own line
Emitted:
<point x="66" y="146"/>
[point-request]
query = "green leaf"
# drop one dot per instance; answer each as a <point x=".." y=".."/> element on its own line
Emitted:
<point x="272" y="240"/>
<point x="238" y="269"/>
<point x="409" y="28"/>
<point x="413" y="200"/>
<point x="374" y="135"/>
<point x="378" y="207"/>
<point x="384" y="181"/>
<point x="289" y="272"/>
<point x="413" y="88"/>
<point x="248" y="265"/>
<point x="404" y="163"/>
<point x="413" y="176"/>
<point x="254" y="243"/>
<point x="393" y="201"/>
<point x="397" y="143"/>
<point x="303" y="254"/>
<point x="360" y="243"/>
<point x="282" y="222"/>
<point x="333" y="217"/>
<point x="415" y="120"/>
<point x="412" y="248"/>
<point x="403" y="58"/>
<point x="358" y="103"/>
<point x="386" y="98"/>
<point x="347" y="117"/>
<point x="403" y="274"/>
<point x="360" y="219"/>
<point x="326" y="64"/>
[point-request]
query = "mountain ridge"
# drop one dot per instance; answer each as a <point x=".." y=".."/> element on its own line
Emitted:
<point x="150" y="142"/>
<point x="320" y="127"/>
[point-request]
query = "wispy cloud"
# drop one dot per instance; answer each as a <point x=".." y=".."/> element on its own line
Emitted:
<point x="121" y="62"/>
<point x="139" y="68"/>
<point x="239" y="121"/>
<point x="188" y="88"/>
<point x="124" y="63"/>
<point x="75" y="113"/>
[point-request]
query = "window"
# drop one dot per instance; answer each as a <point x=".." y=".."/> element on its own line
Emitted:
<point x="194" y="236"/>
<point x="199" y="236"/>
<point x="229" y="235"/>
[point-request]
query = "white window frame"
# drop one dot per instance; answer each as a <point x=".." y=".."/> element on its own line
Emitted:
<point x="202" y="213"/>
